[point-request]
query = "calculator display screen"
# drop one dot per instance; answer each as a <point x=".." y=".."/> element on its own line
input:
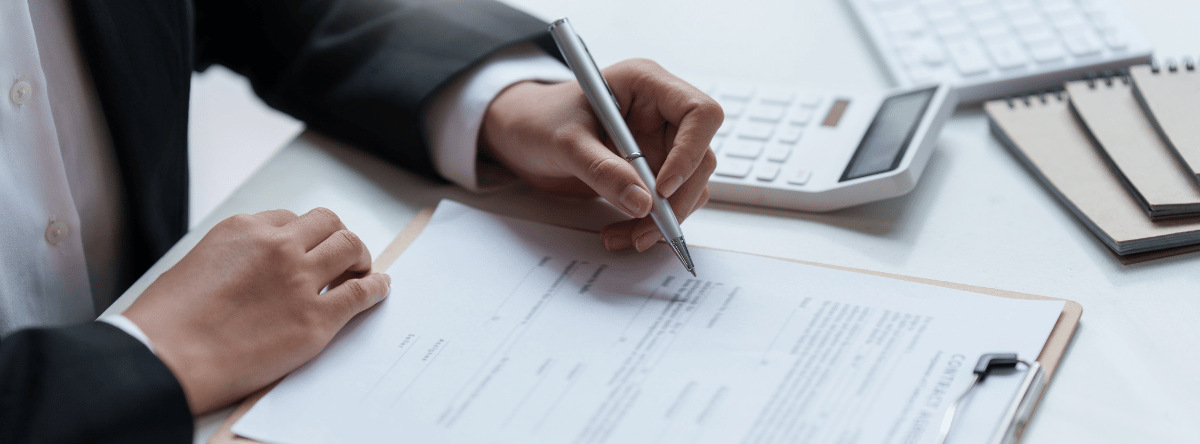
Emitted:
<point x="883" y="145"/>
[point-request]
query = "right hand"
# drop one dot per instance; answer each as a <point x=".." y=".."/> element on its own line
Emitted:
<point x="245" y="306"/>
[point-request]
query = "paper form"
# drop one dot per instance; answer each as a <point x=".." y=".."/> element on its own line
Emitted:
<point x="506" y="331"/>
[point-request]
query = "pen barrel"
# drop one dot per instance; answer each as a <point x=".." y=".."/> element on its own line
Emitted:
<point x="604" y="103"/>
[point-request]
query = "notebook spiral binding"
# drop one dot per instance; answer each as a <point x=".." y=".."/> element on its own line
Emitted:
<point x="1107" y="78"/>
<point x="1172" y="66"/>
<point x="1094" y="78"/>
<point x="1040" y="96"/>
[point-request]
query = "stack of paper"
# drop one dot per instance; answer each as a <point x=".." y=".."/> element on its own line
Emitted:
<point x="507" y="331"/>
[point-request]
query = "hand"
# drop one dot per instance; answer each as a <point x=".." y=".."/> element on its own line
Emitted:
<point x="245" y="307"/>
<point x="549" y="136"/>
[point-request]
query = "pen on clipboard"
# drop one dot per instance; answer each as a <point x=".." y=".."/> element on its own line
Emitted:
<point x="609" y="112"/>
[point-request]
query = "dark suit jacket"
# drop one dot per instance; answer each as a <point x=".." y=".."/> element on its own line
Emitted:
<point x="358" y="70"/>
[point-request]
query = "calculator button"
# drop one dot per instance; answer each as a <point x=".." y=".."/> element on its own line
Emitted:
<point x="797" y="177"/>
<point x="767" y="172"/>
<point x="734" y="167"/>
<point x="737" y="92"/>
<point x="968" y="57"/>
<point x="782" y="97"/>
<point x="1007" y="53"/>
<point x="801" y="116"/>
<point x="726" y="127"/>
<point x="778" y="152"/>
<point x="790" y="133"/>
<point x="746" y="148"/>
<point x="1036" y="34"/>
<point x="1081" y="41"/>
<point x="810" y="100"/>
<point x="1115" y="40"/>
<point x="716" y="143"/>
<point x="733" y="108"/>
<point x="756" y="130"/>
<point x="1047" y="52"/>
<point x="770" y="112"/>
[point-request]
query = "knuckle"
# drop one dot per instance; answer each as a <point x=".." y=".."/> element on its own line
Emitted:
<point x="604" y="169"/>
<point x="566" y="137"/>
<point x="707" y="109"/>
<point x="239" y="221"/>
<point x="328" y="214"/>
<point x="355" y="291"/>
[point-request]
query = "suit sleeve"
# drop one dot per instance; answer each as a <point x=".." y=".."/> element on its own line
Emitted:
<point x="87" y="383"/>
<point x="359" y="70"/>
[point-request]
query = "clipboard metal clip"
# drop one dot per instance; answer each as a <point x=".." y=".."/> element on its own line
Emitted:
<point x="1017" y="415"/>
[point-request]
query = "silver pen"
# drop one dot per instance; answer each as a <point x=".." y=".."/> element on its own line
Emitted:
<point x="579" y="59"/>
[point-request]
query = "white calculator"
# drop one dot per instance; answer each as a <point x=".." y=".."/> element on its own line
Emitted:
<point x="822" y="151"/>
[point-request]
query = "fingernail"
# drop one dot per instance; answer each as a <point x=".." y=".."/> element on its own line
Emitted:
<point x="388" y="278"/>
<point x="670" y="186"/>
<point x="647" y="240"/>
<point x="636" y="201"/>
<point x="615" y="242"/>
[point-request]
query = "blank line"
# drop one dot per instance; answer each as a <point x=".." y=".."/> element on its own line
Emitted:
<point x="763" y="360"/>
<point x="422" y="372"/>
<point x="528" y="395"/>
<point x="389" y="370"/>
<point x="554" y="406"/>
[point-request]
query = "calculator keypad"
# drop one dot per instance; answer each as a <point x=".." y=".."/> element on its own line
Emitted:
<point x="763" y="129"/>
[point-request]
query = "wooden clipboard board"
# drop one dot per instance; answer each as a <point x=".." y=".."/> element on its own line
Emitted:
<point x="1052" y="352"/>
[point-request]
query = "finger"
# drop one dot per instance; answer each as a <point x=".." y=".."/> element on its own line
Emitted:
<point x="690" y="145"/>
<point x="611" y="176"/>
<point x="618" y="236"/>
<point x="315" y="226"/>
<point x="356" y="295"/>
<point x="695" y="116"/>
<point x="341" y="252"/>
<point x="277" y="218"/>
<point x="691" y="195"/>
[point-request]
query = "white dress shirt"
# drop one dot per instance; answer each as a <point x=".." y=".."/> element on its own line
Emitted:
<point x="58" y="166"/>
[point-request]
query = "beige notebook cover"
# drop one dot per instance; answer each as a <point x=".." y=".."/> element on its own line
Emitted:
<point x="1044" y="134"/>
<point x="1172" y="97"/>
<point x="1155" y="177"/>
<point x="1052" y="353"/>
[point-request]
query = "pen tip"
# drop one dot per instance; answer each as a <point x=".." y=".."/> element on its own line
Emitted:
<point x="693" y="272"/>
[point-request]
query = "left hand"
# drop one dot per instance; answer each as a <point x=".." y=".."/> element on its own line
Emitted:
<point x="548" y="135"/>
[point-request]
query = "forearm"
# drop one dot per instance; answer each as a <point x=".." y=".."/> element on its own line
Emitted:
<point x="362" y="71"/>
<point x="87" y="383"/>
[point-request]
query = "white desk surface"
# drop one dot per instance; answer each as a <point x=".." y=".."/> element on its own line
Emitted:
<point x="976" y="217"/>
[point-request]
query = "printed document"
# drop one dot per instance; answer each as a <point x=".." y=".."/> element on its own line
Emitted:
<point x="500" y="330"/>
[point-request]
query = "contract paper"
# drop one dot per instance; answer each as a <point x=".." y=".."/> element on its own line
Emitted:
<point x="500" y="330"/>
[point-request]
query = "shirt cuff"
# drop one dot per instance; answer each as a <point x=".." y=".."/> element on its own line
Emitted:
<point x="455" y="113"/>
<point x="126" y="325"/>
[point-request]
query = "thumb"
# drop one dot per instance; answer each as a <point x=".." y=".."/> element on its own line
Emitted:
<point x="611" y="176"/>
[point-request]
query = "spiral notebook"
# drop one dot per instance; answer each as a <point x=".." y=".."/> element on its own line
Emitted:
<point x="1042" y="133"/>
<point x="1116" y="123"/>
<point x="1171" y="95"/>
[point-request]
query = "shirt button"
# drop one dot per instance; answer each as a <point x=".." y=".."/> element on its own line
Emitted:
<point x="57" y="231"/>
<point x="20" y="92"/>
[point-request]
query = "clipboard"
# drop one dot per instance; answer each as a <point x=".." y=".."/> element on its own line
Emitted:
<point x="1018" y="416"/>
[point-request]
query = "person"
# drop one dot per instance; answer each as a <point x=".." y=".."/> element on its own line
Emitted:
<point x="93" y="174"/>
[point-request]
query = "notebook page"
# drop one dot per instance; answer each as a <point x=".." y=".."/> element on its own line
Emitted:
<point x="1124" y="132"/>
<point x="1173" y="98"/>
<point x="500" y="330"/>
